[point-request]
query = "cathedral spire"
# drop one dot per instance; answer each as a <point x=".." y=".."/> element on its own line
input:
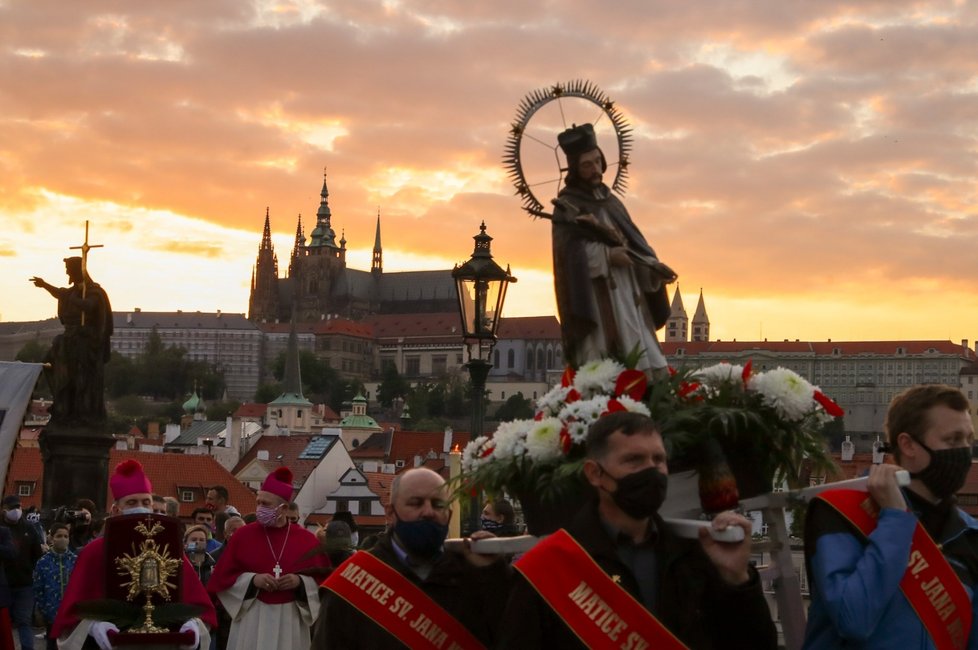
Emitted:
<point x="266" y="235"/>
<point x="701" y="322"/>
<point x="323" y="234"/>
<point x="377" y="263"/>
<point x="678" y="324"/>
<point x="300" y="242"/>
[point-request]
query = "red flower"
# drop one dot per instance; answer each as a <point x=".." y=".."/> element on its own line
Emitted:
<point x="487" y="450"/>
<point x="672" y="371"/>
<point x="572" y="396"/>
<point x="748" y="368"/>
<point x="538" y="416"/>
<point x="687" y="387"/>
<point x="830" y="406"/>
<point x="565" y="441"/>
<point x="632" y="383"/>
<point x="613" y="406"/>
<point x="567" y="378"/>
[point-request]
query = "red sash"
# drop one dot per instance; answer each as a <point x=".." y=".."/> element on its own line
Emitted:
<point x="599" y="611"/>
<point x="929" y="584"/>
<point x="397" y="605"/>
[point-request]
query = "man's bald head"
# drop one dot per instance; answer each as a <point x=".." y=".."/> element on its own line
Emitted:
<point x="419" y="494"/>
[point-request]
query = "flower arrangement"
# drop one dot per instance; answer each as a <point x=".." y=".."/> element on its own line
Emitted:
<point x="772" y="418"/>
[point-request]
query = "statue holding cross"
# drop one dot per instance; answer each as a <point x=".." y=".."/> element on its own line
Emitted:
<point x="77" y="357"/>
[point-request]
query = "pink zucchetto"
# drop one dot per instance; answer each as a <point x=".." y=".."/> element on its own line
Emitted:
<point x="129" y="478"/>
<point x="279" y="483"/>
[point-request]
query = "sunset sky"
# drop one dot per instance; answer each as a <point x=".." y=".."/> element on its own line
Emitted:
<point x="810" y="165"/>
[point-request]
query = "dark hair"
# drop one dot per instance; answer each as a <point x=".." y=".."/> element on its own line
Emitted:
<point x="346" y="516"/>
<point x="292" y="506"/>
<point x="221" y="491"/>
<point x="59" y="525"/>
<point x="626" y="422"/>
<point x="909" y="411"/>
<point x="158" y="498"/>
<point x="573" y="161"/>
<point x="193" y="515"/>
<point x="87" y="504"/>
<point x="504" y="508"/>
<point x="250" y="518"/>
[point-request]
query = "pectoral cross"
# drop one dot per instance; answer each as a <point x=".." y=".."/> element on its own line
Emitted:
<point x="277" y="571"/>
<point x="85" y="247"/>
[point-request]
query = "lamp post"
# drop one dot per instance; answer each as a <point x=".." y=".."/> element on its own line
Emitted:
<point x="481" y="285"/>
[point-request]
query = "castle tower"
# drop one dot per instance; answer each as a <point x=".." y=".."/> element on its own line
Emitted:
<point x="701" y="322"/>
<point x="291" y="409"/>
<point x="300" y="243"/>
<point x="317" y="266"/>
<point x="677" y="327"/>
<point x="263" y="302"/>
<point x="377" y="263"/>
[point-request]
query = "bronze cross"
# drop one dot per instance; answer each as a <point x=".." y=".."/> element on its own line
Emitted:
<point x="85" y="247"/>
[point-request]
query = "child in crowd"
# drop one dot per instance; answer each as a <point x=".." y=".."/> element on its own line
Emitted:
<point x="51" y="576"/>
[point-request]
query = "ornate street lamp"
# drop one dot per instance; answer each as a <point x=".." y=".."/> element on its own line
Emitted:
<point x="482" y="288"/>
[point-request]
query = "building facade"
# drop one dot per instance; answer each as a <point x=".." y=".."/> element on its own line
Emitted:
<point x="231" y="343"/>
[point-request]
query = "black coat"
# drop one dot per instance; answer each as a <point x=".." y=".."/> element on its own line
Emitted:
<point x="692" y="601"/>
<point x="474" y="596"/>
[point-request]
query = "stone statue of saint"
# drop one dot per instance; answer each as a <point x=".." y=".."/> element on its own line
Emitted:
<point x="610" y="285"/>
<point x="78" y="356"/>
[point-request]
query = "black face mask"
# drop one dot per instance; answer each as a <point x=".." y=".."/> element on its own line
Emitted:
<point x="947" y="470"/>
<point x="641" y="493"/>
<point x="491" y="525"/>
<point x="421" y="537"/>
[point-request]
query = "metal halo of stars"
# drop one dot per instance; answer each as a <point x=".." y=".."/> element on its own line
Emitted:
<point x="537" y="99"/>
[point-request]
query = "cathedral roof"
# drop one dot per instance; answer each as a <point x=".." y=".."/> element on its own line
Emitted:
<point x="678" y="310"/>
<point x="700" y="315"/>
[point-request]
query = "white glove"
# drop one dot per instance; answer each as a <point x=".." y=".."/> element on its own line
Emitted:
<point x="191" y="625"/>
<point x="100" y="632"/>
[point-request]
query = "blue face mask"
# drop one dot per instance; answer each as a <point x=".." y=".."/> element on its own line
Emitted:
<point x="138" y="511"/>
<point x="422" y="537"/>
<point x="491" y="525"/>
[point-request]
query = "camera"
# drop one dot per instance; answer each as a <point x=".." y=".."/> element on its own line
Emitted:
<point x="66" y="515"/>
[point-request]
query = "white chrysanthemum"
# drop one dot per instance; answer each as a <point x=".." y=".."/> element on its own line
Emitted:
<point x="719" y="373"/>
<point x="472" y="455"/>
<point x="786" y="391"/>
<point x="585" y="410"/>
<point x="543" y="440"/>
<point x="551" y="402"/>
<point x="596" y="377"/>
<point x="633" y="406"/>
<point x="510" y="439"/>
<point x="577" y="431"/>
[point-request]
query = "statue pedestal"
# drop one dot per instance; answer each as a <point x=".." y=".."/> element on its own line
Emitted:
<point x="76" y="465"/>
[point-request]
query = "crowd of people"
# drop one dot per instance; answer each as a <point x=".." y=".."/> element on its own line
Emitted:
<point x="891" y="567"/>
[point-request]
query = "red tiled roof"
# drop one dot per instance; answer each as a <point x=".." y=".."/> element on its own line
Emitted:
<point x="251" y="410"/>
<point x="344" y="326"/>
<point x="380" y="484"/>
<point x="405" y="445"/>
<point x="416" y="328"/>
<point x="529" y="327"/>
<point x="324" y="411"/>
<point x="289" y="448"/>
<point x="169" y="473"/>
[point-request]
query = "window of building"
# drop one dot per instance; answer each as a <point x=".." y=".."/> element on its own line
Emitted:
<point x="187" y="496"/>
<point x="412" y="366"/>
<point x="529" y="359"/>
<point x="24" y="489"/>
<point x="540" y="359"/>
<point x="495" y="359"/>
<point x="550" y="358"/>
<point x="439" y="364"/>
<point x="510" y="358"/>
<point x="399" y="463"/>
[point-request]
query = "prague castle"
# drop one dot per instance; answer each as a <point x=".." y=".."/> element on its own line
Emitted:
<point x="321" y="286"/>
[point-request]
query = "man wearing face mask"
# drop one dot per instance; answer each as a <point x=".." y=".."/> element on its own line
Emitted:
<point x="407" y="588"/>
<point x="634" y="583"/>
<point x="895" y="568"/>
<point x="268" y="575"/>
<point x="20" y="568"/>
<point x="133" y="494"/>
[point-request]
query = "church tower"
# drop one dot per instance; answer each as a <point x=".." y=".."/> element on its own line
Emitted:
<point x="300" y="243"/>
<point x="677" y="327"/>
<point x="701" y="322"/>
<point x="263" y="302"/>
<point x="317" y="266"/>
<point x="377" y="262"/>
